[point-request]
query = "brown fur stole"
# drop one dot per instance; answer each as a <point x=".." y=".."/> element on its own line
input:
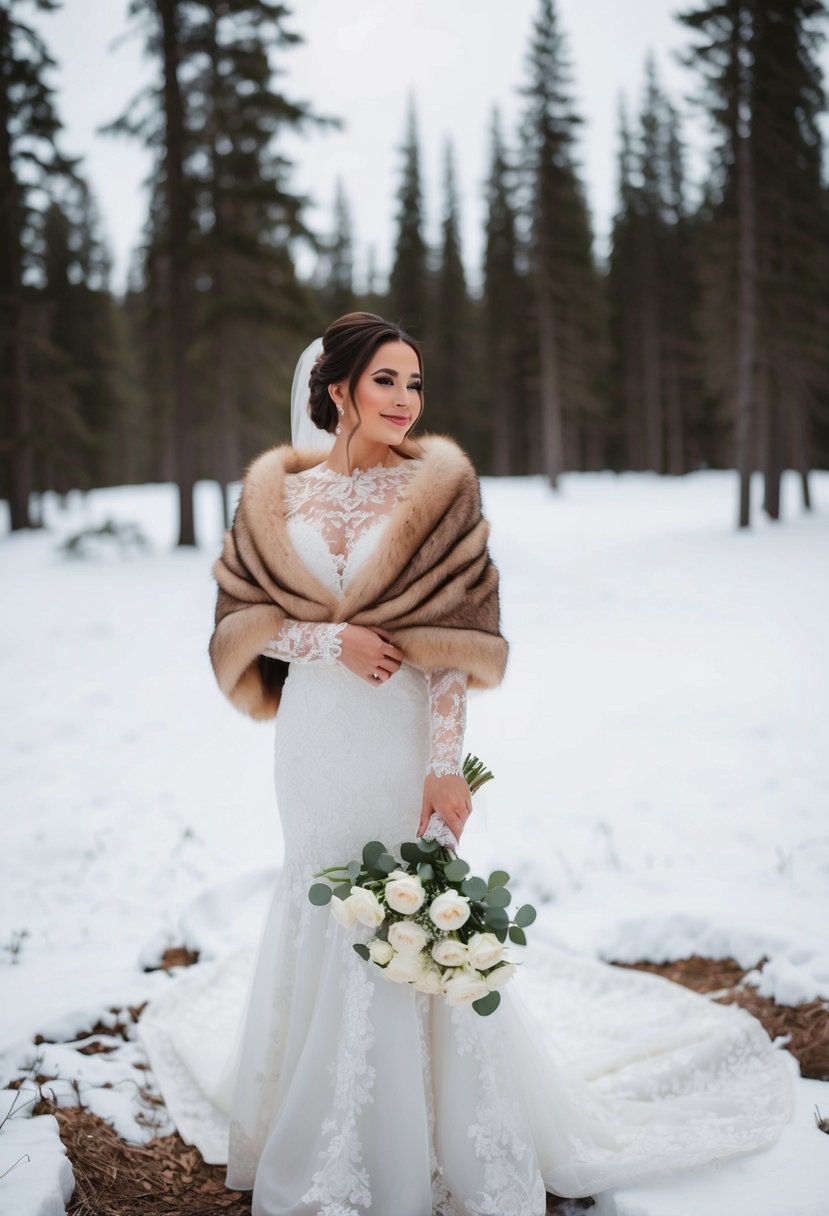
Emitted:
<point x="430" y="582"/>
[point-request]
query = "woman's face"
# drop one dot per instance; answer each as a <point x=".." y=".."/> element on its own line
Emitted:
<point x="388" y="389"/>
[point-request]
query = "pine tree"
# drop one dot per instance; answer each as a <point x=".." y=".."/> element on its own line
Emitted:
<point x="504" y="308"/>
<point x="29" y="161"/>
<point x="219" y="242"/>
<point x="408" y="282"/>
<point x="569" y="312"/>
<point x="336" y="272"/>
<point x="765" y="230"/>
<point x="653" y="295"/>
<point x="450" y="354"/>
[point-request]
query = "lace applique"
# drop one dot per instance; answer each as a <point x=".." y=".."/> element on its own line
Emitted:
<point x="447" y="697"/>
<point x="512" y="1180"/>
<point x="306" y="642"/>
<point x="442" y="1202"/>
<point x="342" y="506"/>
<point x="341" y="1184"/>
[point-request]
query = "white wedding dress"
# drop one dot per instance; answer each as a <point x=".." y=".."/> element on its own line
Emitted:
<point x="332" y="1091"/>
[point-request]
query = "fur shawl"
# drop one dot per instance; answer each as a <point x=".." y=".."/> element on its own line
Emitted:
<point x="430" y="582"/>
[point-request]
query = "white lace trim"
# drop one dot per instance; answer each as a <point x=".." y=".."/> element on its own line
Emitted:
<point x="306" y="642"/>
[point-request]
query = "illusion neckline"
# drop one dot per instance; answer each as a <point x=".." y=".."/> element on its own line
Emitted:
<point x="372" y="468"/>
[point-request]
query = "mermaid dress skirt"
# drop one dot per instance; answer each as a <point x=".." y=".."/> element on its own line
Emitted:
<point x="330" y="1091"/>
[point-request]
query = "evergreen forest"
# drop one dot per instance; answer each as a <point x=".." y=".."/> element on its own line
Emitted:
<point x="699" y="342"/>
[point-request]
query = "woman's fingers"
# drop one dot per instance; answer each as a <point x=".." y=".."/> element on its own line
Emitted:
<point x="389" y="650"/>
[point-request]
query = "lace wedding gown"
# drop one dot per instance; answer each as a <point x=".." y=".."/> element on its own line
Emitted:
<point x="332" y="1091"/>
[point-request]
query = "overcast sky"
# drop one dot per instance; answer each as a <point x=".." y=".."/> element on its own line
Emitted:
<point x="360" y="61"/>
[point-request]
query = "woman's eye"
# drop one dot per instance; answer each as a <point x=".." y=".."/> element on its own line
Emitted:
<point x="386" y="380"/>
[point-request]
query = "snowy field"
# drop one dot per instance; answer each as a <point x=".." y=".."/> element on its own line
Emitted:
<point x="659" y="744"/>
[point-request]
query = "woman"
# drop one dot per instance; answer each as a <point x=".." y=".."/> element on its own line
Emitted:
<point x="357" y="604"/>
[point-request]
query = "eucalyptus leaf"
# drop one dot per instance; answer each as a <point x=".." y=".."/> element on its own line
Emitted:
<point x="517" y="935"/>
<point x="353" y="869"/>
<point x="498" y="897"/>
<point x="320" y="894"/>
<point x="425" y="871"/>
<point x="496" y="918"/>
<point x="525" y="915"/>
<point x="411" y="852"/>
<point x="343" y="890"/>
<point x="430" y="845"/>
<point x="363" y="950"/>
<point x="371" y="851"/>
<point x="386" y="863"/>
<point x="474" y="887"/>
<point x="501" y="934"/>
<point x="487" y="1004"/>
<point x="456" y="870"/>
<point x="498" y="878"/>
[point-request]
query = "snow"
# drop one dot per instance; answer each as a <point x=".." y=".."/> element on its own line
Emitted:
<point x="658" y="743"/>
<point x="36" y="1178"/>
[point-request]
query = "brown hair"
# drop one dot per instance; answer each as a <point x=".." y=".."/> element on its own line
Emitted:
<point x="347" y="347"/>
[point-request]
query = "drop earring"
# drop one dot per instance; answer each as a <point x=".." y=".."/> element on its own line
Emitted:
<point x="339" y="429"/>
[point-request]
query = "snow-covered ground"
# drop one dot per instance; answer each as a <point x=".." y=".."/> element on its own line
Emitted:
<point x="659" y="745"/>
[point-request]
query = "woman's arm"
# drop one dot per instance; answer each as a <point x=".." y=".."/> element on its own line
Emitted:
<point x="447" y="800"/>
<point x="361" y="650"/>
<point x="306" y="642"/>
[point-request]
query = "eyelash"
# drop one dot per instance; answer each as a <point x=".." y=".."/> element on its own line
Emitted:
<point x="385" y="380"/>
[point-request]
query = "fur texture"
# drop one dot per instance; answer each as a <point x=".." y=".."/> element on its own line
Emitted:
<point x="431" y="582"/>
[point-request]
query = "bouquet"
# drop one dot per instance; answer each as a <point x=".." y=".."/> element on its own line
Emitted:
<point x="439" y="928"/>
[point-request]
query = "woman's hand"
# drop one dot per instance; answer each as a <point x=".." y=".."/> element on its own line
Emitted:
<point x="364" y="651"/>
<point x="451" y="797"/>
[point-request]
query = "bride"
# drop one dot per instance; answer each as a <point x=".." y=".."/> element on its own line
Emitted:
<point x="358" y="605"/>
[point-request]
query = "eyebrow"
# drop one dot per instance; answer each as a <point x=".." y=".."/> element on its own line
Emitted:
<point x="390" y="371"/>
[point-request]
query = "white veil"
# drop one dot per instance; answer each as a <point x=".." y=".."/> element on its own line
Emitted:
<point x="304" y="434"/>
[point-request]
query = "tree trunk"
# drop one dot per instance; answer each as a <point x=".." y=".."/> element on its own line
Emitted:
<point x="746" y="291"/>
<point x="799" y="442"/>
<point x="651" y="377"/>
<point x="676" y="452"/>
<point x="503" y="393"/>
<point x="179" y="293"/>
<point x="552" y="446"/>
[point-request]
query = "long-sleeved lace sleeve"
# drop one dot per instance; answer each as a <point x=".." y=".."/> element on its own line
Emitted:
<point x="447" y="700"/>
<point x="306" y="642"/>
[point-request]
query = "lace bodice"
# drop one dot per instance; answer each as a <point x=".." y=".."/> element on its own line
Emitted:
<point x="343" y="509"/>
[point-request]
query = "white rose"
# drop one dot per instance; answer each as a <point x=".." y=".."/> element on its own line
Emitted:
<point x="404" y="891"/>
<point x="367" y="907"/>
<point x="430" y="981"/>
<point x="344" y="911"/>
<point x="464" y="987"/>
<point x="380" y="951"/>
<point x="405" y="968"/>
<point x="484" y="950"/>
<point x="449" y="910"/>
<point x="499" y="977"/>
<point x="407" y="937"/>
<point x="449" y="952"/>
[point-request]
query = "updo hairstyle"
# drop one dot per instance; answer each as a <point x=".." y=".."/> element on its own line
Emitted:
<point x="348" y="345"/>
